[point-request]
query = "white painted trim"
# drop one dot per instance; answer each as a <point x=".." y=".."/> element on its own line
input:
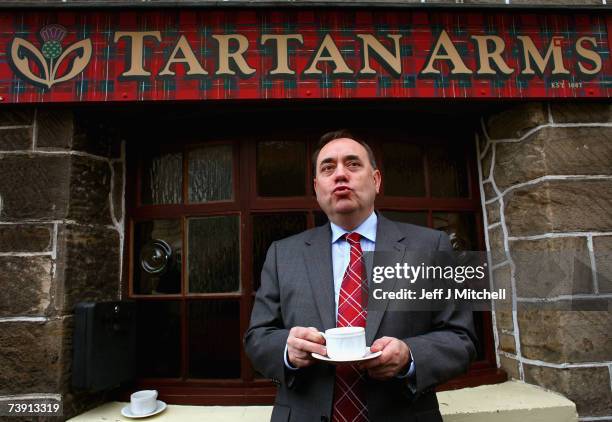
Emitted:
<point x="35" y="130"/>
<point x="494" y="225"/>
<point x="485" y="221"/>
<point x="550" y="116"/>
<point x="25" y="319"/>
<point x="59" y="153"/>
<point x="548" y="178"/>
<point x="15" y="127"/>
<point x="502" y="220"/>
<point x="563" y="365"/>
<point x="593" y="264"/>
<point x="500" y="265"/>
<point x="560" y="234"/>
<point x="26" y="254"/>
<point x="547" y="125"/>
<point x="31" y="396"/>
<point x="563" y="297"/>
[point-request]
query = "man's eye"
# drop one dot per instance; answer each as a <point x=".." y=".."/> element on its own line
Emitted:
<point x="353" y="164"/>
<point x="327" y="168"/>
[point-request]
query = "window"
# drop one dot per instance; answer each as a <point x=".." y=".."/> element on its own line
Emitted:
<point x="204" y="209"/>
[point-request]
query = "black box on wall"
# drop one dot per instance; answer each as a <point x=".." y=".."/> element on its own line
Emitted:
<point x="104" y="345"/>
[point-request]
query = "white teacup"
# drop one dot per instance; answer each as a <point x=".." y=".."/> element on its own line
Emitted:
<point x="143" y="402"/>
<point x="344" y="343"/>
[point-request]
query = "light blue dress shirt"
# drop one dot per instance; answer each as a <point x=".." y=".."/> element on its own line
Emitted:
<point x="341" y="253"/>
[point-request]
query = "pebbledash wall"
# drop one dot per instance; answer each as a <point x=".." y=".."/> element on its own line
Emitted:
<point x="546" y="184"/>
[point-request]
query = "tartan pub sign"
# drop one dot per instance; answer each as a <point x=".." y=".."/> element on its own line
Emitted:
<point x="256" y="54"/>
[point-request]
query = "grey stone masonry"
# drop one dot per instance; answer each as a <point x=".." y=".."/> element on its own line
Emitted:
<point x="546" y="184"/>
<point x="61" y="240"/>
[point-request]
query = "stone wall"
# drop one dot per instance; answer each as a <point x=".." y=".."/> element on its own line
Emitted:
<point x="546" y="181"/>
<point x="61" y="230"/>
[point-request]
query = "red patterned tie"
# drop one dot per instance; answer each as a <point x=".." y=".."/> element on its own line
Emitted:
<point x="349" y="390"/>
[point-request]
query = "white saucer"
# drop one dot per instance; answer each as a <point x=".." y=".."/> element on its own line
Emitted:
<point x="368" y="355"/>
<point x="127" y="412"/>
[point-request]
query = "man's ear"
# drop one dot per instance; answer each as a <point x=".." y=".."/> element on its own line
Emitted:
<point x="314" y="180"/>
<point x="377" y="179"/>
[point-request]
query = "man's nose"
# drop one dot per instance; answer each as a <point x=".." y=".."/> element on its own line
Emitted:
<point x="340" y="173"/>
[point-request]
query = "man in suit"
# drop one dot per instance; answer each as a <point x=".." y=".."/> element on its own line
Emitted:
<point x="314" y="281"/>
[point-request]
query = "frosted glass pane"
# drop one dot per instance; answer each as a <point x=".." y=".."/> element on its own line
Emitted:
<point x="158" y="342"/>
<point x="214" y="339"/>
<point x="157" y="257"/>
<point x="162" y="179"/>
<point x="210" y="173"/>
<point x="419" y="218"/>
<point x="281" y="168"/>
<point x="448" y="171"/>
<point x="214" y="254"/>
<point x="460" y="227"/>
<point x="403" y="169"/>
<point x="270" y="227"/>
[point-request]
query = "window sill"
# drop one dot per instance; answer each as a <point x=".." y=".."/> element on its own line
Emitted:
<point x="509" y="401"/>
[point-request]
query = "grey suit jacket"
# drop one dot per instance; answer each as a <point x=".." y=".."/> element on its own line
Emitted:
<point x="297" y="290"/>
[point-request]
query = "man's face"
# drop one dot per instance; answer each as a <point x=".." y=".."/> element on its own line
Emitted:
<point x="345" y="182"/>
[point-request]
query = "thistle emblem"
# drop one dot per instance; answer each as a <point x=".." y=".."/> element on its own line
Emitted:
<point x="52" y="36"/>
<point x="48" y="60"/>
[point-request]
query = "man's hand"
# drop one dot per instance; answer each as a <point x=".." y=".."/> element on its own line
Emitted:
<point x="393" y="361"/>
<point x="301" y="343"/>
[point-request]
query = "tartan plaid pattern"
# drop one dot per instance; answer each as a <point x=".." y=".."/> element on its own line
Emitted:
<point x="101" y="79"/>
<point x="349" y="389"/>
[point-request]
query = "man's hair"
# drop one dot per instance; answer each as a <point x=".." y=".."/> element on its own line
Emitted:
<point x="339" y="134"/>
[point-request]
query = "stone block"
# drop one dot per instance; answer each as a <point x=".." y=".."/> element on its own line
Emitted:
<point x="496" y="245"/>
<point x="493" y="215"/>
<point x="511" y="366"/>
<point x="554" y="151"/>
<point x="89" y="190"/>
<point x="96" y="135"/>
<point x="25" y="283"/>
<point x="516" y="121"/>
<point x="15" y="139"/>
<point x="87" y="265"/>
<point x="482" y="141"/>
<point x="55" y="127"/>
<point x="16" y="116"/>
<point x="581" y="112"/>
<point x="26" y="237"/>
<point x="507" y="343"/>
<point x="489" y="191"/>
<point x="85" y="131"/>
<point x="117" y="197"/>
<point x="31" y="357"/>
<point x="565" y="336"/>
<point x="503" y="318"/>
<point x="547" y="268"/>
<point x="34" y="187"/>
<point x="602" y="249"/>
<point x="589" y="388"/>
<point x="559" y="206"/>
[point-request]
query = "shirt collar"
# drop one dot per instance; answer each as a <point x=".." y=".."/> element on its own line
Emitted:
<point x="366" y="229"/>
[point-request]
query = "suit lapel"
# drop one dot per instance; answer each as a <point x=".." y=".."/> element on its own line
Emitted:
<point x="388" y="239"/>
<point x="318" y="259"/>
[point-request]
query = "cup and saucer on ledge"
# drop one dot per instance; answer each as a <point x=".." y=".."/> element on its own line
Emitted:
<point x="346" y="345"/>
<point x="142" y="404"/>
